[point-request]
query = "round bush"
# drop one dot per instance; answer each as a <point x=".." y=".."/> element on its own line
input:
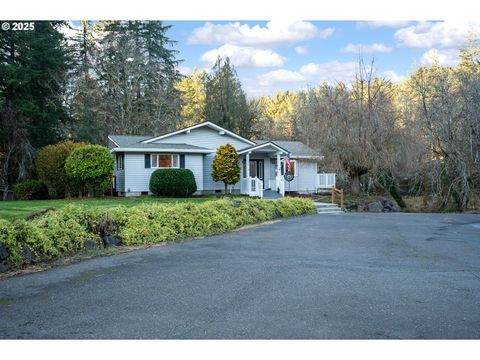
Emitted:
<point x="173" y="182"/>
<point x="91" y="166"/>
<point x="50" y="163"/>
<point x="31" y="190"/>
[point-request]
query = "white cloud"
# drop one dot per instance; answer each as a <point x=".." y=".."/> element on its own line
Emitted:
<point x="445" y="57"/>
<point x="244" y="56"/>
<point x="274" y="33"/>
<point x="281" y="76"/>
<point x="331" y="72"/>
<point x="70" y="31"/>
<point x="393" y="76"/>
<point x="367" y="49"/>
<point x="301" y="50"/>
<point x="443" y="34"/>
<point x="384" y="23"/>
<point x="185" y="70"/>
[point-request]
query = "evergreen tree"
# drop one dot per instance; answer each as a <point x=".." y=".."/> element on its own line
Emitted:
<point x="33" y="69"/>
<point x="225" y="166"/>
<point x="225" y="101"/>
<point x="137" y="71"/>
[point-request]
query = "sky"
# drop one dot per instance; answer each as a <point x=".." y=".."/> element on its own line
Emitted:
<point x="272" y="56"/>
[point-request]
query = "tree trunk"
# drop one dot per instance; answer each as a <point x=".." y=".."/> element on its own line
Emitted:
<point x="355" y="184"/>
<point x="225" y="188"/>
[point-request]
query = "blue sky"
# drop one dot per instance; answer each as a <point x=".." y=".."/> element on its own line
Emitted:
<point x="272" y="56"/>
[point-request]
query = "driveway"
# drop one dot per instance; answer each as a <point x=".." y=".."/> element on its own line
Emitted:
<point x="321" y="276"/>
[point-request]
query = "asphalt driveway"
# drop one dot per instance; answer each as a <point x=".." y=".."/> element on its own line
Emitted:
<point x="321" y="276"/>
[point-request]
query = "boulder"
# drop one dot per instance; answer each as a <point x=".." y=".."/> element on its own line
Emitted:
<point x="111" y="240"/>
<point x="4" y="266"/>
<point x="375" y="206"/>
<point x="361" y="208"/>
<point x="236" y="203"/>
<point x="351" y="207"/>
<point x="89" y="244"/>
<point x="3" y="253"/>
<point x="27" y="255"/>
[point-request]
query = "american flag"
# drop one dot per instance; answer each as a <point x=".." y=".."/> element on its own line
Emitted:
<point x="287" y="162"/>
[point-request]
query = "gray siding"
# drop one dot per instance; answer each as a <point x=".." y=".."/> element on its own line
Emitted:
<point x="194" y="162"/>
<point x="120" y="180"/>
<point x="204" y="137"/>
<point x="306" y="176"/>
<point x="137" y="177"/>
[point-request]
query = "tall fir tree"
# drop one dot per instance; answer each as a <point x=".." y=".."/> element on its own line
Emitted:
<point x="225" y="101"/>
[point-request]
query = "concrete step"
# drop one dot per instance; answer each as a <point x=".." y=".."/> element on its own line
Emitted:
<point x="325" y="208"/>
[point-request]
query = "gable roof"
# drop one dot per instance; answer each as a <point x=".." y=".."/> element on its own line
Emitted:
<point x="296" y="148"/>
<point x="125" y="140"/>
<point x="262" y="145"/>
<point x="163" y="147"/>
<point x="205" y="123"/>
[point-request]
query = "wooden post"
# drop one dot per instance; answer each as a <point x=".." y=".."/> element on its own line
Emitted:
<point x="341" y="199"/>
<point x="333" y="195"/>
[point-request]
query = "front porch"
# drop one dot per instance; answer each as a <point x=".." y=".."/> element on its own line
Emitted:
<point x="263" y="175"/>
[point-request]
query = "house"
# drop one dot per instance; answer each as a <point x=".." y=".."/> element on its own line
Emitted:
<point x="194" y="148"/>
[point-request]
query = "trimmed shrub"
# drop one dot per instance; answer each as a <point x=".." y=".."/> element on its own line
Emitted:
<point x="8" y="239"/>
<point x="62" y="232"/>
<point x="225" y="166"/>
<point x="50" y="164"/>
<point x="31" y="190"/>
<point x="173" y="182"/>
<point x="91" y="166"/>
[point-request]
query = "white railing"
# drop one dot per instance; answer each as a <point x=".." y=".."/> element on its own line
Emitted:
<point x="325" y="181"/>
<point x="251" y="186"/>
<point x="280" y="185"/>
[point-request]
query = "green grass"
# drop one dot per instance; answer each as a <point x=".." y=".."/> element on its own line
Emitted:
<point x="18" y="209"/>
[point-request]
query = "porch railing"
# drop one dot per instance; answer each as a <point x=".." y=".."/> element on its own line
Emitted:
<point x="325" y="181"/>
<point x="280" y="185"/>
<point x="252" y="186"/>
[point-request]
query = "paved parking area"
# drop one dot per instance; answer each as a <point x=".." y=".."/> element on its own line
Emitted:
<point x="323" y="276"/>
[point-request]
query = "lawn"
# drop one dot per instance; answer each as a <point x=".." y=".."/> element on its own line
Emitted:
<point x="18" y="209"/>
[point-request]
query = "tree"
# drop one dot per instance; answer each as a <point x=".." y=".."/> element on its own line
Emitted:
<point x="90" y="166"/>
<point x="192" y="89"/>
<point x="225" y="166"/>
<point x="225" y="101"/>
<point x="50" y="163"/>
<point x="137" y="72"/>
<point x="33" y="70"/>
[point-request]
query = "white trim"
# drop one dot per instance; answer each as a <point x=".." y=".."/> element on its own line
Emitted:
<point x="109" y="138"/>
<point x="206" y="123"/>
<point x="153" y="150"/>
<point x="261" y="146"/>
<point x="320" y="157"/>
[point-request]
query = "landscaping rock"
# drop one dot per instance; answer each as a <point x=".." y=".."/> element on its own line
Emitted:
<point x="3" y="253"/>
<point x="4" y="266"/>
<point x="375" y="206"/>
<point x="236" y="203"/>
<point x="89" y="244"/>
<point x="110" y="240"/>
<point x="27" y="255"/>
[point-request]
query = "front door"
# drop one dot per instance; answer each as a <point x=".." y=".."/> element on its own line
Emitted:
<point x="256" y="169"/>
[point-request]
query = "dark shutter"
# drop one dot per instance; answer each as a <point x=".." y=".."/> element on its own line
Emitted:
<point x="147" y="161"/>
<point x="182" y="161"/>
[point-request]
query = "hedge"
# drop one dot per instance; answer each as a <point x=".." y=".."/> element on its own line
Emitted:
<point x="62" y="232"/>
<point x="31" y="190"/>
<point x="173" y="182"/>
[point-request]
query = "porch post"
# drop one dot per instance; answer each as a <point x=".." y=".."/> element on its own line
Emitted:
<point x="279" y="171"/>
<point x="247" y="173"/>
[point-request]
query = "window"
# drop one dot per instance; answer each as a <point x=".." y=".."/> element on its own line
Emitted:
<point x="120" y="161"/>
<point x="293" y="164"/>
<point x="165" y="160"/>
